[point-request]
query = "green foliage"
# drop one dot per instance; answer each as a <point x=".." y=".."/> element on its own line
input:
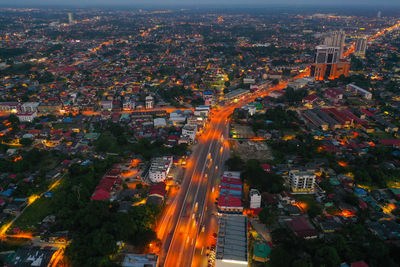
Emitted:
<point x="268" y="215"/>
<point x="235" y="163"/>
<point x="326" y="256"/>
<point x="26" y="141"/>
<point x="281" y="119"/>
<point x="256" y="177"/>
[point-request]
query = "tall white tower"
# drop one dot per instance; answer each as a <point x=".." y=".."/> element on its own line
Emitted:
<point x="336" y="39"/>
<point x="70" y="18"/>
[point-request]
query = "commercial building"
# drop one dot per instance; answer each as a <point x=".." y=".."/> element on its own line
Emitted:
<point x="232" y="241"/>
<point x="328" y="65"/>
<point x="140" y="260"/>
<point x="230" y="197"/>
<point x="255" y="199"/>
<point x="189" y="131"/>
<point x="360" y="91"/>
<point x="361" y="47"/>
<point x="336" y="39"/>
<point x="160" y="168"/>
<point x="302" y="181"/>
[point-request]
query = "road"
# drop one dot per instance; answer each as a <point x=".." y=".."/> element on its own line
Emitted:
<point x="182" y="220"/>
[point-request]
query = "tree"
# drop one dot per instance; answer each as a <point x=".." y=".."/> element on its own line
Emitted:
<point x="26" y="141"/>
<point x="326" y="256"/>
<point x="235" y="163"/>
<point x="280" y="257"/>
<point x="268" y="215"/>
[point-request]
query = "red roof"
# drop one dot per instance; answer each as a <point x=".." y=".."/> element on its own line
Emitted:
<point x="266" y="167"/>
<point x="301" y="227"/>
<point x="229" y="201"/>
<point x="359" y="264"/>
<point x="228" y="180"/>
<point x="100" y="195"/>
<point x="390" y="142"/>
<point x="158" y="189"/>
<point x="310" y="98"/>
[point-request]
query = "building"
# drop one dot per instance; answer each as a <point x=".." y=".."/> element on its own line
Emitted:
<point x="28" y="107"/>
<point x="327" y="54"/>
<point x="129" y="105"/>
<point x="230" y="196"/>
<point x="302" y="181"/>
<point x="9" y="107"/>
<point x="106" y="105"/>
<point x="336" y="39"/>
<point x="360" y="91"/>
<point x="255" y="199"/>
<point x="189" y="131"/>
<point x="160" y="168"/>
<point x="361" y="47"/>
<point x="301" y="227"/>
<point x="26" y="117"/>
<point x="149" y="102"/>
<point x="232" y="241"/>
<point x="51" y="107"/>
<point x="140" y="260"/>
<point x="32" y="256"/>
<point x="327" y="64"/>
<point x="71" y="18"/>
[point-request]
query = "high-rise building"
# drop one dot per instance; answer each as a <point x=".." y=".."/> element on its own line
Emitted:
<point x="70" y="18"/>
<point x="336" y="39"/>
<point x="302" y="181"/>
<point x="327" y="64"/>
<point x="379" y="15"/>
<point x="327" y="54"/>
<point x="361" y="47"/>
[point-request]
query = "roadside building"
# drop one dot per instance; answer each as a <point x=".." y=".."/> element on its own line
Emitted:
<point x="232" y="241"/>
<point x="160" y="168"/>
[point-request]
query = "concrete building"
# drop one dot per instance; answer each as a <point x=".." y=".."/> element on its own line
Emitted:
<point x="71" y="18"/>
<point x="302" y="181"/>
<point x="360" y="91"/>
<point x="140" y="260"/>
<point x="189" y="131"/>
<point x="232" y="248"/>
<point x="149" y="102"/>
<point x="26" y="117"/>
<point x="255" y="199"/>
<point x="160" y="168"/>
<point x="28" y="107"/>
<point x="327" y="64"/>
<point x="336" y="39"/>
<point x="361" y="47"/>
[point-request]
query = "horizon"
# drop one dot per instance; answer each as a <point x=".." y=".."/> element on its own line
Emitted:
<point x="193" y="4"/>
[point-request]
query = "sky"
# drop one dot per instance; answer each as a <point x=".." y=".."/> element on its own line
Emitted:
<point x="384" y="3"/>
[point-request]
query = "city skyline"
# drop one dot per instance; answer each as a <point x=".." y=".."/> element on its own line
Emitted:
<point x="224" y="3"/>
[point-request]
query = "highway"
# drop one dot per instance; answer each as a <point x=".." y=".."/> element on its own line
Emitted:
<point x="181" y="232"/>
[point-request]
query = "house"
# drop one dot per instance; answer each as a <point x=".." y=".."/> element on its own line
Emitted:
<point x="302" y="227"/>
<point x="334" y="95"/>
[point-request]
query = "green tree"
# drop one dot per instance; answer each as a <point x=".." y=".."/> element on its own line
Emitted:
<point x="268" y="215"/>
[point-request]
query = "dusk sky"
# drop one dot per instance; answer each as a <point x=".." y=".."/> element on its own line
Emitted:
<point x="198" y="2"/>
